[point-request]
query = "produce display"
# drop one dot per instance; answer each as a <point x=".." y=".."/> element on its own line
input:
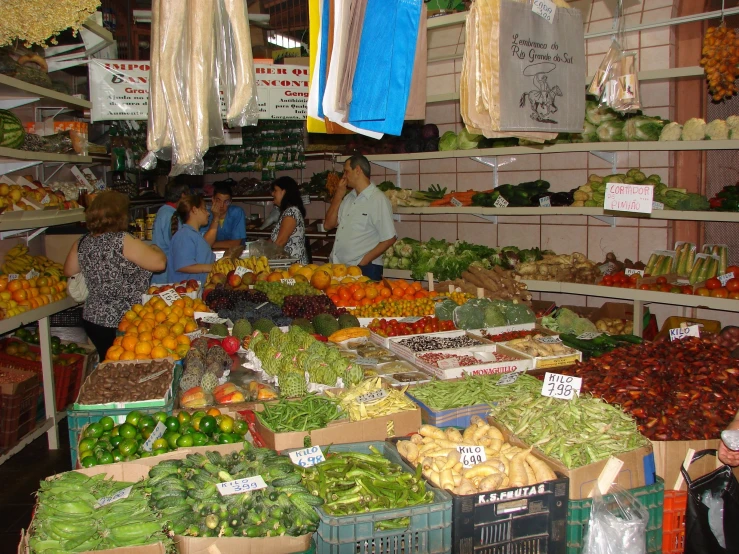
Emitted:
<point x="18" y="260"/>
<point x="567" y="321"/>
<point x="423" y="343"/>
<point x="323" y="276"/>
<point x="435" y="451"/>
<point x="13" y="131"/>
<point x="369" y="292"/>
<point x="120" y="382"/>
<point x="396" y="328"/>
<point x="728" y="338"/>
<point x="413" y="198"/>
<point x="521" y="195"/>
<point x="322" y="184"/>
<point x="307" y="414"/>
<point x="413" y="138"/>
<point x="481" y="312"/>
<point x="533" y="346"/>
<point x="471" y="390"/>
<point x="597" y="346"/>
<point x="21" y="295"/>
<point x="509" y="335"/>
<point x="69" y="518"/>
<point x="496" y="283"/>
<point x="184" y="494"/>
<point x="697" y="129"/>
<point x="393" y="401"/>
<point x="277" y="292"/>
<point x="31" y="337"/>
<point x="614" y="326"/>
<point x="224" y="271"/>
<point x="205" y="364"/>
<point x="574" y="268"/>
<point x="398" y="307"/>
<point x="445" y="260"/>
<point x="719" y="61"/>
<point x="462" y="360"/>
<point x="603" y="124"/>
<point x="181" y="288"/>
<point x="308" y="306"/>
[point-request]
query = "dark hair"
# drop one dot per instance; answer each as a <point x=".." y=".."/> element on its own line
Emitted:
<point x="222" y="187"/>
<point x="292" y="194"/>
<point x="108" y="213"/>
<point x="175" y="191"/>
<point x="362" y="162"/>
<point x="186" y="205"/>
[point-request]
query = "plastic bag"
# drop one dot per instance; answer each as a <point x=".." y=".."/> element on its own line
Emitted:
<point x="617" y="525"/>
<point x="265" y="248"/>
<point x="517" y="314"/>
<point x="622" y="88"/>
<point x="471" y="314"/>
<point x="444" y="310"/>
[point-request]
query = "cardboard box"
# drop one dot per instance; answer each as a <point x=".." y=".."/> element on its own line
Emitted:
<point x="613" y="310"/>
<point x="669" y="456"/>
<point x="344" y="431"/>
<point x="676" y="322"/>
<point x="157" y="548"/>
<point x="548" y="362"/>
<point x="410" y="355"/>
<point x="520" y="362"/>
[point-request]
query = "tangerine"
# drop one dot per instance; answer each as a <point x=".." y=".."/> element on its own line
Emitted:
<point x="159" y="352"/>
<point x="143" y="347"/>
<point x="129" y="342"/>
<point x="127" y="355"/>
<point x="183" y="339"/>
<point x="114" y="352"/>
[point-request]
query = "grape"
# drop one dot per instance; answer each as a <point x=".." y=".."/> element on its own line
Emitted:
<point x="296" y="305"/>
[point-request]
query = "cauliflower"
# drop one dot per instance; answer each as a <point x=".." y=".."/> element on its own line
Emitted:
<point x="717" y="130"/>
<point x="694" y="129"/>
<point x="733" y="121"/>
<point x="671" y="131"/>
<point x="734" y="134"/>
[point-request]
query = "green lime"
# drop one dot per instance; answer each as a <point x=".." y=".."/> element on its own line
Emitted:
<point x="146" y="422"/>
<point x="56" y="340"/>
<point x="172" y="440"/>
<point x="134" y="417"/>
<point x="115" y="432"/>
<point x="200" y="413"/>
<point x="195" y="422"/>
<point x="22" y="334"/>
<point x="208" y="425"/>
<point x="157" y="452"/>
<point x="173" y="424"/>
<point x="89" y="461"/>
<point x="225" y="438"/>
<point x="240" y="427"/>
<point x="160" y="443"/>
<point x="94" y="430"/>
<point x="184" y="441"/>
<point x="127" y="431"/>
<point x="87" y="444"/>
<point x="117" y="456"/>
<point x="56" y="349"/>
<point x="105" y="458"/>
<point x="184" y="417"/>
<point x="86" y="453"/>
<point x="146" y="455"/>
<point x="199" y="439"/>
<point x="226" y="424"/>
<point x="161" y="416"/>
<point x="186" y="429"/>
<point x="115" y="441"/>
<point x="128" y="447"/>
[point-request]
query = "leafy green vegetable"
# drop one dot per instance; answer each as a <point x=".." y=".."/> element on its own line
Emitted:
<point x="448" y="141"/>
<point x="467" y="140"/>
<point x="611" y="131"/>
<point x="642" y="127"/>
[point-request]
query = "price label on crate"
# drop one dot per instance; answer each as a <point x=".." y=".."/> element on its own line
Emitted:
<point x="13" y="277"/>
<point x="550" y="340"/>
<point x="372" y="397"/>
<point x="725" y="278"/>
<point x="634" y="272"/>
<point x="456" y="203"/>
<point x="239" y="486"/>
<point x="365" y="361"/>
<point x="287" y="281"/>
<point x="170" y="296"/>
<point x="681" y="332"/>
<point x="589" y="335"/>
<point x="545" y="9"/>
<point x="412" y="319"/>
<point x="509" y="378"/>
<point x="46" y="200"/>
<point x="448" y="363"/>
<point x="560" y="386"/>
<point x="195" y="334"/>
<point x="241" y="271"/>
<point x="156" y="434"/>
<point x="501" y="202"/>
<point x="471" y="455"/>
<point x="658" y="206"/>
<point x="120" y="495"/>
<point x="545" y="202"/>
<point x="307" y="457"/>
<point x="32" y="274"/>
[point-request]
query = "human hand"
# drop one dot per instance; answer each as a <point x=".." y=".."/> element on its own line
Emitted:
<point x="341" y="187"/>
<point x="729" y="457"/>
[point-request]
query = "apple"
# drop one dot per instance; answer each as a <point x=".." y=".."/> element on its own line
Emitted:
<point x="233" y="280"/>
<point x="248" y="278"/>
<point x="218" y="278"/>
<point x="180" y="290"/>
<point x="151" y="290"/>
<point x="192" y="284"/>
<point x="262" y="275"/>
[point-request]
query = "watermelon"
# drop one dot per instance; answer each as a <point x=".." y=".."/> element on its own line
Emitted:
<point x="12" y="132"/>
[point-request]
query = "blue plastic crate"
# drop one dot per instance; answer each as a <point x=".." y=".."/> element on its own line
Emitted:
<point x="453" y="417"/>
<point x="430" y="529"/>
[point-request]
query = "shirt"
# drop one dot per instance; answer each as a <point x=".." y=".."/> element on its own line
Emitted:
<point x="295" y="246"/>
<point x="233" y="226"/>
<point x="365" y="220"/>
<point x="188" y="247"/>
<point x="161" y="236"/>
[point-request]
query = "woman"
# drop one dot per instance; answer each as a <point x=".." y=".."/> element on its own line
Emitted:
<point x="116" y="266"/>
<point x="167" y="223"/>
<point x="290" y="229"/>
<point x="190" y="254"/>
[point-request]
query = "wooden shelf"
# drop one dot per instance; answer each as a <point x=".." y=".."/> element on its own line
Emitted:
<point x="12" y="323"/>
<point x="12" y="89"/>
<point x="39" y="218"/>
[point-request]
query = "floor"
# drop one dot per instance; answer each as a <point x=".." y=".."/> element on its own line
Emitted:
<point x="19" y="478"/>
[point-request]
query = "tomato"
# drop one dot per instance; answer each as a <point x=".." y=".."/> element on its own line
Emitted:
<point x="94" y="430"/>
<point x="687" y="289"/>
<point x="127" y="431"/>
<point x="208" y="425"/>
<point x="733" y="269"/>
<point x="665" y="288"/>
<point x="607" y="281"/>
<point x="661" y="280"/>
<point x="185" y="441"/>
<point x="645" y="287"/>
<point x="107" y="423"/>
<point x="713" y="283"/>
<point x="115" y="441"/>
<point x="734" y="295"/>
<point x="183" y="418"/>
<point x="720" y="293"/>
<point x="703" y="291"/>
<point x="675" y="289"/>
<point x="173" y="424"/>
<point x="733" y="284"/>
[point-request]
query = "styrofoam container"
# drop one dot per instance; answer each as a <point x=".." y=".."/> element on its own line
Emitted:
<point x="520" y="362"/>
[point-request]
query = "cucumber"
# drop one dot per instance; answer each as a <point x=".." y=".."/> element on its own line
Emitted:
<point x="691" y="261"/>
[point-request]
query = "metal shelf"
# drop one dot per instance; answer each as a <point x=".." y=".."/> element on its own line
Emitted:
<point x="15" y="93"/>
<point x="39" y="218"/>
<point x="12" y="323"/>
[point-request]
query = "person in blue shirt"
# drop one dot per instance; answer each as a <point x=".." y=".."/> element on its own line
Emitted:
<point x="167" y="223"/>
<point x="190" y="253"/>
<point x="232" y="221"/>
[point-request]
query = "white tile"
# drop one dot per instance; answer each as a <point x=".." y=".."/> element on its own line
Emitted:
<point x="409" y="167"/>
<point x="564" y="299"/>
<point x="631" y="40"/>
<point x="664" y="112"/>
<point x="315" y="210"/>
<point x="408" y="230"/>
<point x="409" y="181"/>
<point x="448" y="180"/>
<point x="523" y="236"/>
<point x="562" y="180"/>
<point x="657" y="57"/>
<point x="564" y="239"/>
<point x="654" y="93"/>
<point x="651" y="240"/>
<point x="569" y="160"/>
<point x="442" y="112"/>
<point x="528" y="221"/>
<point x="435" y="230"/>
<point x="515" y="177"/>
<point x="603" y="10"/>
<point x="598" y="45"/>
<point x="525" y="162"/>
<point x="633" y="6"/>
<point x="442" y="67"/>
<point x="441" y="84"/>
<point x="566" y="220"/>
<point x="443" y="128"/>
<point x="663" y="172"/>
<point x="479" y="233"/>
<point x="443" y="165"/>
<point x="475" y="181"/>
<point x="653" y="223"/>
<point x="619" y="240"/>
<point x="654" y="4"/>
<point x="445" y="36"/>
<point x="599" y="26"/>
<point x="584" y="6"/>
<point x="655" y="37"/>
<point x="654" y="159"/>
<point x="653" y="16"/>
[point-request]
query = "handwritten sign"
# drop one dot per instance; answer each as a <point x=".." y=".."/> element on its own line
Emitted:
<point x="681" y="332"/>
<point x="241" y="271"/>
<point x="365" y="361"/>
<point x="560" y="386"/>
<point x="156" y="434"/>
<point x="628" y="272"/>
<point x="448" y="363"/>
<point x="120" y="495"/>
<point x="658" y="206"/>
<point x="239" y="486"/>
<point x="170" y="296"/>
<point x="287" y="281"/>
<point x="725" y="278"/>
<point x="372" y="397"/>
<point x="549" y="340"/>
<point x="509" y="378"/>
<point x="544" y="8"/>
<point x="307" y="457"/>
<point x="195" y="334"/>
<point x="545" y="202"/>
<point x="501" y="202"/>
<point x="456" y="203"/>
<point x="589" y="335"/>
<point x="623" y="197"/>
<point x="472" y="455"/>
<point x="32" y="274"/>
<point x="13" y="277"/>
<point x="410" y="319"/>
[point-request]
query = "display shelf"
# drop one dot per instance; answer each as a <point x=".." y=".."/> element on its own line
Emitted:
<point x="40" y="429"/>
<point x="31" y="316"/>
<point x="39" y="218"/>
<point x="14" y="93"/>
<point x="13" y="154"/>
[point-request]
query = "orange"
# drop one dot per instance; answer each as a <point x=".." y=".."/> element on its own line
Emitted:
<point x="19" y="294"/>
<point x="144" y="327"/>
<point x="189" y="312"/>
<point x="354" y="287"/>
<point x="123" y="325"/>
<point x="159" y="317"/>
<point x="173" y="318"/>
<point x="398" y="292"/>
<point x="3" y="284"/>
<point x="169" y="342"/>
<point x="156" y="342"/>
<point x="128" y="355"/>
<point x="334" y="298"/>
<point x="44" y="290"/>
<point x="114" y="353"/>
<point x="339" y="270"/>
<point x="183" y="339"/>
<point x="160" y="331"/>
<point x="179" y="303"/>
<point x="215" y="412"/>
<point x="333" y="289"/>
<point x="354" y="271"/>
<point x="358" y="294"/>
<point x="371" y="293"/>
<point x="182" y="350"/>
<point x="420" y="294"/>
<point x="177" y="329"/>
<point x="159" y="352"/>
<point x="137" y="308"/>
<point x="344" y="293"/>
<point x="15" y="285"/>
<point x="178" y="311"/>
<point x="129" y="343"/>
<point x="25" y="284"/>
<point x="190" y="326"/>
<point x="321" y="279"/>
<point x="385" y="292"/>
<point x="130" y="315"/>
<point x="117" y="341"/>
<point x="365" y="302"/>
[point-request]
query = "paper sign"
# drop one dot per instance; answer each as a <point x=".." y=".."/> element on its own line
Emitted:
<point x="456" y="203"/>
<point x="658" y="206"/>
<point x="207" y="317"/>
<point x="195" y="334"/>
<point x="623" y="197"/>
<point x="410" y="319"/>
<point x="240" y="486"/>
<point x="559" y="386"/>
<point x="472" y="455"/>
<point x="365" y="361"/>
<point x="682" y="332"/>
<point x="46" y="200"/>
<point x="372" y="397"/>
<point x="545" y="202"/>
<point x="156" y="434"/>
<point x="169" y="296"/>
<point x="306" y="199"/>
<point x="448" y="363"/>
<point x="153" y="376"/>
<point x="307" y="457"/>
<point x="241" y="271"/>
<point x="589" y="335"/>
<point x="287" y="281"/>
<point x="22" y="181"/>
<point x="13" y="277"/>
<point x="607" y="268"/>
<point x="544" y="8"/>
<point x="120" y="495"/>
<point x="549" y="340"/>
<point x="32" y="274"/>
<point x="509" y="378"/>
<point x="634" y="272"/>
<point x="501" y="202"/>
<point x="725" y="278"/>
<point x="81" y="179"/>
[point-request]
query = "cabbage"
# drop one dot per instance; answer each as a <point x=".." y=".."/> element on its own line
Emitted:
<point x="467" y="141"/>
<point x="448" y="141"/>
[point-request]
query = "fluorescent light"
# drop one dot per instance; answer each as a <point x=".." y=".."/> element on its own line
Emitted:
<point x="283" y="41"/>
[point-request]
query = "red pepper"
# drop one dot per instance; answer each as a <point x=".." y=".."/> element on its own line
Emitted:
<point x="716" y="203"/>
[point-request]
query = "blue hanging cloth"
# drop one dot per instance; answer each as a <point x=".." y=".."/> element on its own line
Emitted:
<point x="323" y="55"/>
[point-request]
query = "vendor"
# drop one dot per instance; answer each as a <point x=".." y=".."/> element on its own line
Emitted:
<point x="232" y="222"/>
<point x="364" y="218"/>
<point x="167" y="223"/>
<point x="726" y="455"/>
<point x="190" y="253"/>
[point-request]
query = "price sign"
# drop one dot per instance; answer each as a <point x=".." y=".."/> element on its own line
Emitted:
<point x="169" y="296"/>
<point x="456" y="203"/>
<point x="607" y="268"/>
<point x="207" y="317"/>
<point x="156" y="434"/>
<point x="681" y="332"/>
<point x="560" y="386"/>
<point x="634" y="272"/>
<point x="589" y="335"/>
<point x="658" y="206"/>
<point x="287" y="281"/>
<point x="239" y="486"/>
<point x="545" y="202"/>
<point x="472" y="455"/>
<point x="307" y="457"/>
<point x="448" y="363"/>
<point x="305" y="198"/>
<point x="46" y="199"/>
<point x="545" y="8"/>
<point x="509" y="378"/>
<point x="241" y="271"/>
<point x="410" y="319"/>
<point x="550" y="340"/>
<point x="120" y="495"/>
<point x="195" y="334"/>
<point x="32" y="274"/>
<point x="501" y="202"/>
<point x="13" y="277"/>
<point x="365" y="361"/>
<point x="624" y="197"/>
<point x="725" y="278"/>
<point x="372" y="397"/>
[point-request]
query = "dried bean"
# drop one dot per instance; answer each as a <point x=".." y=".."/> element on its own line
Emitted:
<point x="424" y="343"/>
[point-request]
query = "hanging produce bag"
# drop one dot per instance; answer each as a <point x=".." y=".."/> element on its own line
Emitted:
<point x="541" y="69"/>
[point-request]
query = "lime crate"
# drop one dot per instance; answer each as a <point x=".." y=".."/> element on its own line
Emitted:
<point x="18" y="405"/>
<point x="651" y="497"/>
<point x="430" y="529"/>
<point x="673" y="522"/>
<point x="77" y="420"/>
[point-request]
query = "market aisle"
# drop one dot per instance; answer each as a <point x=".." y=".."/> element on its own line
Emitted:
<point x="20" y="477"/>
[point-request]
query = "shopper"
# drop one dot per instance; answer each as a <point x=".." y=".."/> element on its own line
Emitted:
<point x="727" y="456"/>
<point x="364" y="219"/>
<point x="190" y="254"/>
<point x="232" y="221"/>
<point x="167" y="223"/>
<point x="116" y="267"/>
<point x="290" y="229"/>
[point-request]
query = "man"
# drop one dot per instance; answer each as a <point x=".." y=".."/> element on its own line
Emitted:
<point x="167" y="223"/>
<point x="364" y="219"/>
<point x="232" y="225"/>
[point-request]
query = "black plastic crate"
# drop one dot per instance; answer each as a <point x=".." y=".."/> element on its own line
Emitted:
<point x="71" y="317"/>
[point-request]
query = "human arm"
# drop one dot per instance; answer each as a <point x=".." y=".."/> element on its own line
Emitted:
<point x="72" y="263"/>
<point x="287" y="226"/>
<point x="210" y="234"/>
<point x="377" y="251"/>
<point x="332" y="215"/>
<point x="149" y="257"/>
<point x="729" y="457"/>
<point x="196" y="268"/>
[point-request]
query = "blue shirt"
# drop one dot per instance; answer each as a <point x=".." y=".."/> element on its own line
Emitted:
<point x="188" y="247"/>
<point x="161" y="237"/>
<point x="233" y="226"/>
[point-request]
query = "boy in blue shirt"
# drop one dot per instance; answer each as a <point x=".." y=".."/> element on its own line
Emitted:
<point x="231" y="230"/>
<point x="166" y="224"/>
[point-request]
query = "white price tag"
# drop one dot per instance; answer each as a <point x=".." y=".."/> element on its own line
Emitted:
<point x="545" y="202"/>
<point x="560" y="386"/>
<point x="156" y="434"/>
<point x="472" y="455"/>
<point x="120" y="495"/>
<point x="46" y="199"/>
<point x="509" y="378"/>
<point x="208" y="317"/>
<point x="307" y="457"/>
<point x="634" y="272"/>
<point x="81" y="179"/>
<point x="32" y="274"/>
<point x="241" y="271"/>
<point x="658" y="206"/>
<point x="195" y="334"/>
<point x="169" y="296"/>
<point x="589" y="335"/>
<point x="550" y="340"/>
<point x="456" y="203"/>
<point x="13" y="277"/>
<point x="365" y="361"/>
<point x="287" y="281"/>
<point x="410" y="319"/>
<point x="501" y="202"/>
<point x="305" y="198"/>
<point x="448" y="363"/>
<point x="240" y="486"/>
<point x="545" y="8"/>
<point x="725" y="278"/>
<point x="682" y="332"/>
<point x="623" y="197"/>
<point x="372" y="397"/>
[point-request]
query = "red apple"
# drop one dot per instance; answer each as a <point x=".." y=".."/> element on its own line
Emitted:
<point x="248" y="278"/>
<point x="180" y="290"/>
<point x="193" y="284"/>
<point x="151" y="290"/>
<point x="233" y="280"/>
<point x="218" y="278"/>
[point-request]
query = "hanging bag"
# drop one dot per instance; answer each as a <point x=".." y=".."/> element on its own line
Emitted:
<point x="712" y="511"/>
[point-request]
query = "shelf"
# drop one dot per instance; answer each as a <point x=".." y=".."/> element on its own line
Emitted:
<point x="39" y="218"/>
<point x="10" y="324"/>
<point x="14" y="93"/>
<point x="12" y="159"/>
<point x="41" y="428"/>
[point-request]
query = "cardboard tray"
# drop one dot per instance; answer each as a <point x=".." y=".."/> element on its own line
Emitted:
<point x="521" y="362"/>
<point x="408" y="354"/>
<point x="547" y="362"/>
<point x="453" y="417"/>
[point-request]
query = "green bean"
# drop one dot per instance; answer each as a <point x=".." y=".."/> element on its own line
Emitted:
<point x="481" y="389"/>
<point x="308" y="414"/>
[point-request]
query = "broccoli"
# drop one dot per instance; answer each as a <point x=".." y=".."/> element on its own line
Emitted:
<point x="519" y="313"/>
<point x="692" y="203"/>
<point x="642" y="127"/>
<point x="444" y="310"/>
<point x="694" y="129"/>
<point x="671" y="131"/>
<point x="717" y="130"/>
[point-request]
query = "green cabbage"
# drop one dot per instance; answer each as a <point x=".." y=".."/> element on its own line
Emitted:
<point x="466" y="140"/>
<point x="448" y="141"/>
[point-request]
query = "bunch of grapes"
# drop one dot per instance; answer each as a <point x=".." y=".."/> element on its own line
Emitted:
<point x="309" y="307"/>
<point x="276" y="291"/>
<point x="253" y="311"/>
<point x="222" y="298"/>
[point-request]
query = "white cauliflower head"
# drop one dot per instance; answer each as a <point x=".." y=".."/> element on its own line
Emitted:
<point x="694" y="129"/>
<point x="717" y="130"/>
<point x="671" y="131"/>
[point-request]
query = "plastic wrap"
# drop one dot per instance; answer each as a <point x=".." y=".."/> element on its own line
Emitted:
<point x="444" y="310"/>
<point x="617" y="525"/>
<point x="471" y="314"/>
<point x="622" y="88"/>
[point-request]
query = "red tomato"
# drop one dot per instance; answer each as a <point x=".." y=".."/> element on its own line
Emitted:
<point x="645" y="287"/>
<point x="720" y="293"/>
<point x="733" y="269"/>
<point x="713" y="283"/>
<point x="665" y="288"/>
<point x="703" y="291"/>
<point x="734" y="295"/>
<point x="607" y="281"/>
<point x="661" y="280"/>
<point x="675" y="289"/>
<point x="687" y="289"/>
<point x="733" y="284"/>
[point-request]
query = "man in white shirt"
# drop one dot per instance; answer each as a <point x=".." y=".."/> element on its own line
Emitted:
<point x="364" y="218"/>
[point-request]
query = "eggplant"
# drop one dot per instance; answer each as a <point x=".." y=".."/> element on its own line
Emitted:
<point x="561" y="199"/>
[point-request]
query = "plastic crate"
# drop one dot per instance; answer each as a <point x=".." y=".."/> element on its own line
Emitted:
<point x="71" y="317"/>
<point x="453" y="417"/>
<point x="651" y="497"/>
<point x="78" y="419"/>
<point x="18" y="410"/>
<point x="673" y="522"/>
<point x="430" y="529"/>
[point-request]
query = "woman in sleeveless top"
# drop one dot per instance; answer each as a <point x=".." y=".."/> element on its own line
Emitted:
<point x="116" y="266"/>
<point x="290" y="229"/>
